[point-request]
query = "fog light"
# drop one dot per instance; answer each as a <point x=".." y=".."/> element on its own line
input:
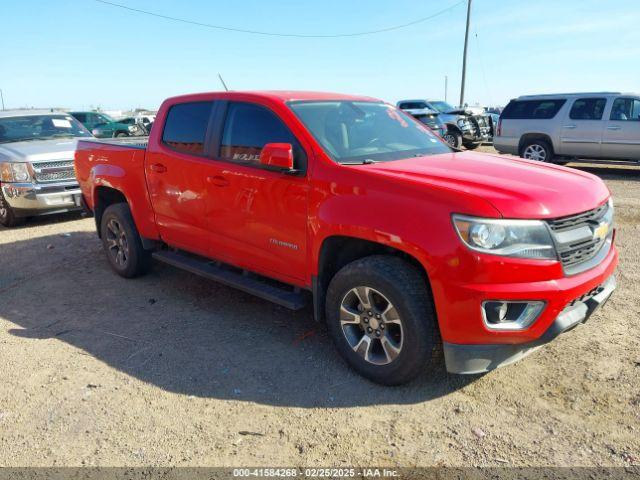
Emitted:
<point x="506" y="315"/>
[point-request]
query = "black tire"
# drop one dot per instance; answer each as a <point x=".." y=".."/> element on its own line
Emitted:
<point x="471" y="146"/>
<point x="453" y="138"/>
<point x="136" y="260"/>
<point x="7" y="215"/>
<point x="121" y="135"/>
<point x="537" y="150"/>
<point x="404" y="287"/>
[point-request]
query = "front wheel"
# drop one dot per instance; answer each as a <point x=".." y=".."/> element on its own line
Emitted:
<point x="7" y="215"/>
<point x="380" y="316"/>
<point x="538" y="150"/>
<point x="122" y="242"/>
<point x="453" y="138"/>
<point x="471" y="145"/>
<point x="121" y="135"/>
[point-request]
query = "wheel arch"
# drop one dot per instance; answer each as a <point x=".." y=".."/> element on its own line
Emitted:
<point x="336" y="251"/>
<point x="103" y="197"/>
<point x="527" y="137"/>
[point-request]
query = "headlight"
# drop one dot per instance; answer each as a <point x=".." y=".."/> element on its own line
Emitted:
<point x="511" y="238"/>
<point x="14" y="172"/>
<point x="463" y="123"/>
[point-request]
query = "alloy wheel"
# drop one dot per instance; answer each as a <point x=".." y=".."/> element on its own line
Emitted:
<point x="535" y="152"/>
<point x="117" y="244"/>
<point x="371" y="325"/>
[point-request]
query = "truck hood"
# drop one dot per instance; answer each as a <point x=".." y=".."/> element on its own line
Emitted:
<point x="517" y="188"/>
<point x="35" y="150"/>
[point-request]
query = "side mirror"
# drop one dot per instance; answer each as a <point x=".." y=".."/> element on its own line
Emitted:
<point x="277" y="155"/>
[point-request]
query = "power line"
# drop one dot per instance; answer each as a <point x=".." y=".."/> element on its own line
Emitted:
<point x="277" y="34"/>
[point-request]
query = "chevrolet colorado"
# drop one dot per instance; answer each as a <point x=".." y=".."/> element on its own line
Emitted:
<point x="404" y="247"/>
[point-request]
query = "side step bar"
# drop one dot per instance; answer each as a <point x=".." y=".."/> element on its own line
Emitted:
<point x="289" y="298"/>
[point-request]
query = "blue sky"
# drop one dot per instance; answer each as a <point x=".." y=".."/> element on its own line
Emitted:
<point x="80" y="53"/>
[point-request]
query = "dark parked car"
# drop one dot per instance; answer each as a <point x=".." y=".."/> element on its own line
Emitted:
<point x="103" y="126"/>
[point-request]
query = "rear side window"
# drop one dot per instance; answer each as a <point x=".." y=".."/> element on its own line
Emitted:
<point x="185" y="129"/>
<point x="532" y="109"/>
<point x="587" y="109"/>
<point x="412" y="105"/>
<point x="250" y="127"/>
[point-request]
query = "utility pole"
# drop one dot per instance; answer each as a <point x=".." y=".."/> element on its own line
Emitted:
<point x="2" y="98"/>
<point x="464" y="55"/>
<point x="446" y="86"/>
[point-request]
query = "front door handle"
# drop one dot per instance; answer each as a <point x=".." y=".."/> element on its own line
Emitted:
<point x="571" y="127"/>
<point x="613" y="127"/>
<point x="158" y="168"/>
<point x="218" y="181"/>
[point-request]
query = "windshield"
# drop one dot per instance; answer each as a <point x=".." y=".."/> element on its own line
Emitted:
<point x="357" y="132"/>
<point x="442" y="107"/>
<point x="40" y="127"/>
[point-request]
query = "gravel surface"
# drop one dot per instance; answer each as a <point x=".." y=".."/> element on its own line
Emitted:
<point x="173" y="370"/>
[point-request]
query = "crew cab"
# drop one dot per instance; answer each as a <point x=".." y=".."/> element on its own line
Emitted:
<point x="36" y="164"/>
<point x="403" y="246"/>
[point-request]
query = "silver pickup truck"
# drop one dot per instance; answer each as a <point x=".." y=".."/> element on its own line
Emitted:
<point x="36" y="164"/>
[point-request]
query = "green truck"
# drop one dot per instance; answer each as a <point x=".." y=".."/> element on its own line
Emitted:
<point x="103" y="126"/>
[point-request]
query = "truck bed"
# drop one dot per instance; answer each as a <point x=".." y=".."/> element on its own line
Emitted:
<point x="135" y="142"/>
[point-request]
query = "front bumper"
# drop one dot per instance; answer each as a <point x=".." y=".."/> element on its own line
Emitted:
<point x="473" y="359"/>
<point x="30" y="199"/>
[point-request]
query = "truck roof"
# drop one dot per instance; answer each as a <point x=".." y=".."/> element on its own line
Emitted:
<point x="575" y="94"/>
<point x="25" y="112"/>
<point x="281" y="95"/>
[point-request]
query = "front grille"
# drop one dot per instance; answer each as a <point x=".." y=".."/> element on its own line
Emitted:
<point x="574" y="221"/>
<point x="54" y="171"/>
<point x="575" y="237"/>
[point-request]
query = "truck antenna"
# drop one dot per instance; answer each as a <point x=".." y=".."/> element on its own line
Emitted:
<point x="223" y="84"/>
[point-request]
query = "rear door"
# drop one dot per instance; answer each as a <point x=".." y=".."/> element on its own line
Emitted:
<point x="257" y="217"/>
<point x="176" y="171"/>
<point x="621" y="138"/>
<point x="581" y="131"/>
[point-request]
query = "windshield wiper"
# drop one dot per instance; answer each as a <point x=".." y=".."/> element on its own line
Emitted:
<point x="366" y="161"/>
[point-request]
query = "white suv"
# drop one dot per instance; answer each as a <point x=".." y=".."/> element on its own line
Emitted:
<point x="561" y="127"/>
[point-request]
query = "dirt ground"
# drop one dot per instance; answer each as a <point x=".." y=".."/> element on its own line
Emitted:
<point x="173" y="370"/>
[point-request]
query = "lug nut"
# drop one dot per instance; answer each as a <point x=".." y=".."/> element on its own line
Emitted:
<point x="371" y="314"/>
<point x="378" y="332"/>
<point x="366" y="320"/>
<point x="378" y="316"/>
<point x="369" y="329"/>
<point x="382" y="326"/>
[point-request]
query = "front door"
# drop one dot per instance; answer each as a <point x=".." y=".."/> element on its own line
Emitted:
<point x="257" y="217"/>
<point x="581" y="132"/>
<point x="621" y="138"/>
<point x="176" y="172"/>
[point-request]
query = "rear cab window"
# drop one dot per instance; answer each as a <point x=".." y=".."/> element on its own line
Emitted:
<point x="248" y="128"/>
<point x="588" y="109"/>
<point x="543" y="109"/>
<point x="185" y="129"/>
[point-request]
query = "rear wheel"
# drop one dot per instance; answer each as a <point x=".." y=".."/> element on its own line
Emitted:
<point x="471" y="146"/>
<point x="381" y="319"/>
<point x="7" y="215"/>
<point x="122" y="242"/>
<point x="538" y="150"/>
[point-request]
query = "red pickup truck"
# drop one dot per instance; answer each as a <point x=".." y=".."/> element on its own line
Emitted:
<point x="405" y="247"/>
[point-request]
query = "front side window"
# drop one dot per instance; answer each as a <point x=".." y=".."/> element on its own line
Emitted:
<point x="587" y="109"/>
<point x="40" y="127"/>
<point x="625" y="109"/>
<point x="248" y="128"/>
<point x="185" y="129"/>
<point x="442" y="107"/>
<point x="532" y="109"/>
<point x="357" y="132"/>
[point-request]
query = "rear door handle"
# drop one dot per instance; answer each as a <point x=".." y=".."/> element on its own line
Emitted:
<point x="571" y="127"/>
<point x="613" y="127"/>
<point x="218" y="181"/>
<point x="158" y="168"/>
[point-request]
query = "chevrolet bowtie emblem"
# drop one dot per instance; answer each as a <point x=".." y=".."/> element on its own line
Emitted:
<point x="600" y="233"/>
